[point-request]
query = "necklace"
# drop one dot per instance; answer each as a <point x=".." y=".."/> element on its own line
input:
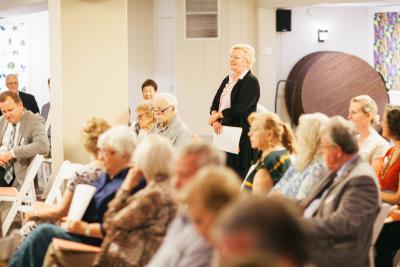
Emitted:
<point x="389" y="162"/>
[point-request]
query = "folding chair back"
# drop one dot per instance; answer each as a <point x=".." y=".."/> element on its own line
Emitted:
<point x="378" y="225"/>
<point x="66" y="172"/>
<point x="11" y="194"/>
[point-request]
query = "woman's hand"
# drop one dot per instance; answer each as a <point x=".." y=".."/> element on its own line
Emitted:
<point x="215" y="116"/>
<point x="75" y="227"/>
<point x="394" y="214"/>
<point x="217" y="127"/>
<point x="132" y="179"/>
<point x="31" y="216"/>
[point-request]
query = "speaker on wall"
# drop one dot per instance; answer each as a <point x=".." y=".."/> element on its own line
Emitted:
<point x="283" y="20"/>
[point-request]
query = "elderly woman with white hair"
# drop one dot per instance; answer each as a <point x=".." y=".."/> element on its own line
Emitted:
<point x="116" y="147"/>
<point x="165" y="108"/>
<point x="235" y="100"/>
<point x="135" y="225"/>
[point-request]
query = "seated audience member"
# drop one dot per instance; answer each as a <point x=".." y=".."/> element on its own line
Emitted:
<point x="168" y="123"/>
<point x="208" y="194"/>
<point x="388" y="242"/>
<point x="389" y="172"/>
<point x="116" y="147"/>
<point x="145" y="120"/>
<point x="135" y="225"/>
<point x="44" y="112"/>
<point x="275" y="139"/>
<point x="90" y="133"/>
<point x="308" y="167"/>
<point x="255" y="227"/>
<point x="17" y="153"/>
<point x="340" y="212"/>
<point x="28" y="100"/>
<point x="363" y="112"/>
<point x="149" y="89"/>
<point x="183" y="246"/>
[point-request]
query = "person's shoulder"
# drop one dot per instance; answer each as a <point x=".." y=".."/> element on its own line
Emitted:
<point x="30" y="116"/>
<point x="26" y="95"/>
<point x="250" y="76"/>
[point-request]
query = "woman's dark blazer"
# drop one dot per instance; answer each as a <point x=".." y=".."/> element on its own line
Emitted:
<point x="244" y="98"/>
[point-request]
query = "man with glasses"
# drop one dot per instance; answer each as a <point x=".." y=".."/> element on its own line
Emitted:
<point x="168" y="122"/>
<point x="340" y="212"/>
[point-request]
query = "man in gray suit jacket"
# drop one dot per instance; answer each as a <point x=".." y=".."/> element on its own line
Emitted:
<point x="340" y="212"/>
<point x="22" y="136"/>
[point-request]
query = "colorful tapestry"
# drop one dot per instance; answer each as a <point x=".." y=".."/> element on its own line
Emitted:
<point x="13" y="52"/>
<point x="387" y="48"/>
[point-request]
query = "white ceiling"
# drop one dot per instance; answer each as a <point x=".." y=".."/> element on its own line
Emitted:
<point x="19" y="7"/>
<point x="348" y="3"/>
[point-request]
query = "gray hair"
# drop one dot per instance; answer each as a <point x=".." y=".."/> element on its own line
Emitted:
<point x="119" y="138"/>
<point x="205" y="153"/>
<point x="11" y="75"/>
<point x="342" y="133"/>
<point x="168" y="97"/>
<point x="248" y="51"/>
<point x="155" y="156"/>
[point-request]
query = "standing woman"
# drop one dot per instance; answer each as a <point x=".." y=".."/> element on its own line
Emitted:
<point x="234" y="101"/>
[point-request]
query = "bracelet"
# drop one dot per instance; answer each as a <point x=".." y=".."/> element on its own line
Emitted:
<point x="87" y="230"/>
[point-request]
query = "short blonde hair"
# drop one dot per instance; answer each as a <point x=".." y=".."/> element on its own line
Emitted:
<point x="214" y="187"/>
<point x="368" y="105"/>
<point x="155" y="156"/>
<point x="248" y="51"/>
<point x="121" y="139"/>
<point x="90" y="134"/>
<point x="145" y="107"/>
<point x="308" y="138"/>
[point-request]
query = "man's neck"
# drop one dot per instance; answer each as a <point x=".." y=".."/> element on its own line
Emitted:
<point x="343" y="160"/>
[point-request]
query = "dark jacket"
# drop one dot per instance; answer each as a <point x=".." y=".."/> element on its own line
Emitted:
<point x="244" y="97"/>
<point x="29" y="102"/>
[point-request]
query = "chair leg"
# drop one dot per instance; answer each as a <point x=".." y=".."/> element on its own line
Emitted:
<point x="5" y="226"/>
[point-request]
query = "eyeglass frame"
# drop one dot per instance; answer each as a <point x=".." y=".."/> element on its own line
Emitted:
<point x="161" y="110"/>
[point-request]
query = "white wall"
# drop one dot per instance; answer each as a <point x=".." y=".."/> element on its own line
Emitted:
<point x="34" y="55"/>
<point x="201" y="65"/>
<point x="348" y="32"/>
<point x="140" y="48"/>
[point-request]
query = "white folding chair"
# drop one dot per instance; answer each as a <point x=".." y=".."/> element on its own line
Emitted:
<point x="11" y="194"/>
<point x="66" y="172"/>
<point x="378" y="225"/>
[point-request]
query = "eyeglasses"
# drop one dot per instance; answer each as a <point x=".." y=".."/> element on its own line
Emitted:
<point x="157" y="110"/>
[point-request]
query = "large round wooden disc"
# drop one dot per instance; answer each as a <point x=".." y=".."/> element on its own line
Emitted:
<point x="326" y="81"/>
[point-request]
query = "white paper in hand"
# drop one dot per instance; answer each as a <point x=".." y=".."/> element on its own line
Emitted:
<point x="228" y="140"/>
<point x="82" y="195"/>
